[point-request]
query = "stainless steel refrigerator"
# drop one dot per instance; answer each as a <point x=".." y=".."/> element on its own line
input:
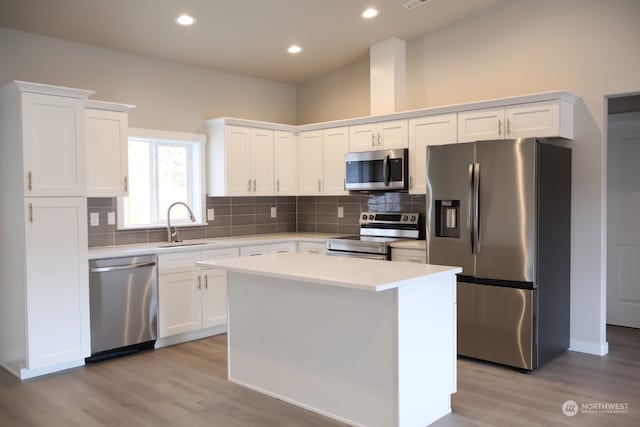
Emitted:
<point x="501" y="210"/>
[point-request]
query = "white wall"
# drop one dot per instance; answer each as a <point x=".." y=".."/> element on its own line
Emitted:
<point x="524" y="46"/>
<point x="340" y="95"/>
<point x="168" y="95"/>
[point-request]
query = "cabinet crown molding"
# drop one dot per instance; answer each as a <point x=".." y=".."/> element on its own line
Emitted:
<point x="109" y="106"/>
<point x="562" y="95"/>
<point x="51" y="89"/>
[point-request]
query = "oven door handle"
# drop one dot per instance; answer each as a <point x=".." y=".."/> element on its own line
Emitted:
<point x="385" y="169"/>
<point x="380" y="257"/>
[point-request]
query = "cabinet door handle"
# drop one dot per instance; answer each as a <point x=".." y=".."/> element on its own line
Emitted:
<point x="277" y="186"/>
<point x="508" y="127"/>
<point x="29" y="181"/>
<point x="379" y="139"/>
<point x="499" y="127"/>
<point x="319" y="185"/>
<point x="249" y="186"/>
<point x="373" y="140"/>
<point x="126" y="184"/>
<point x="410" y="182"/>
<point x="254" y="185"/>
<point x="31" y="212"/>
<point x="199" y="282"/>
<point x="206" y="282"/>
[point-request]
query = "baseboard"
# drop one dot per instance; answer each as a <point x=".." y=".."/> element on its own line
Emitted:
<point x="190" y="336"/>
<point x="589" y="347"/>
<point x="31" y="373"/>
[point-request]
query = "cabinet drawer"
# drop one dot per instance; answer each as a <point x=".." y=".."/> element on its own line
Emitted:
<point x="215" y="254"/>
<point x="312" y="248"/>
<point x="409" y="255"/>
<point x="281" y="248"/>
<point x="178" y="262"/>
<point x="254" y="250"/>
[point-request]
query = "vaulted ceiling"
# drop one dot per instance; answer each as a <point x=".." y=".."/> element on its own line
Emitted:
<point x="248" y="37"/>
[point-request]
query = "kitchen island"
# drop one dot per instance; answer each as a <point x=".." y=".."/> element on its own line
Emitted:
<point x="364" y="342"/>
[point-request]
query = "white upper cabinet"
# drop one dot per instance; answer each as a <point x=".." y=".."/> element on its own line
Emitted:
<point x="544" y="119"/>
<point x="310" y="163"/>
<point x="53" y="145"/>
<point x="536" y="119"/>
<point x="235" y="155"/>
<point x="378" y="136"/>
<point x="321" y="161"/>
<point x="335" y="144"/>
<point x="261" y="155"/>
<point x="425" y="131"/>
<point x="285" y="163"/>
<point x="240" y="160"/>
<point x="478" y="125"/>
<point x="106" y="125"/>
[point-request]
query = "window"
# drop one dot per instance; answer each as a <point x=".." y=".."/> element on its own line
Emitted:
<point x="164" y="167"/>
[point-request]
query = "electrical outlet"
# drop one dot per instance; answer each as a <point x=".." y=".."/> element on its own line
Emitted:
<point x="210" y="215"/>
<point x="340" y="212"/>
<point x="94" y="219"/>
<point x="274" y="212"/>
<point x="111" y="218"/>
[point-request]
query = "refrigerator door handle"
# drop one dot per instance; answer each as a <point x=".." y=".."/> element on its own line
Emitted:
<point x="471" y="213"/>
<point x="476" y="206"/>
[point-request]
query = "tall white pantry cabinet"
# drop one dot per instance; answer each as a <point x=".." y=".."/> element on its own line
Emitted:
<point x="44" y="290"/>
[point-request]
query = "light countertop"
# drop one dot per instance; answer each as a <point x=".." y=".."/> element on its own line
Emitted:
<point x="355" y="273"/>
<point x="204" y="244"/>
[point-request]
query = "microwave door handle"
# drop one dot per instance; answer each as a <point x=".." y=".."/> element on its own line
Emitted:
<point x="385" y="169"/>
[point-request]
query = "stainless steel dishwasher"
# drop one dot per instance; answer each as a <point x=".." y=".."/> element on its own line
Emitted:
<point x="123" y="295"/>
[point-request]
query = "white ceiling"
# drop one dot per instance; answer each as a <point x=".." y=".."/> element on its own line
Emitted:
<point x="248" y="37"/>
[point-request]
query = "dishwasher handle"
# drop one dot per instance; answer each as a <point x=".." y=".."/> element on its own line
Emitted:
<point x="122" y="267"/>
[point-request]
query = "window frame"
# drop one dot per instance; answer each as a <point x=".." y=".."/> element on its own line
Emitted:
<point x="196" y="144"/>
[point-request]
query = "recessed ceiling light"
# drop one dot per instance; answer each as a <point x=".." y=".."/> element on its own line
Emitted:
<point x="185" y="20"/>
<point x="370" y="13"/>
<point x="294" y="49"/>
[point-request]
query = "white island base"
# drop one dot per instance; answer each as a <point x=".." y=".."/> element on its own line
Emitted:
<point x="364" y="342"/>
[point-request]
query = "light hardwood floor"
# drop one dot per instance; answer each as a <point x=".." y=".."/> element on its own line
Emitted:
<point x="185" y="385"/>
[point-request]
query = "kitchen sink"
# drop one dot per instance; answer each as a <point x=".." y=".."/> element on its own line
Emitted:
<point x="181" y="244"/>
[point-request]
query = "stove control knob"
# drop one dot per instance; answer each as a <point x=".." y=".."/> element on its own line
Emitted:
<point x="405" y="218"/>
<point x="371" y="217"/>
<point x="364" y="216"/>
<point x="413" y="217"/>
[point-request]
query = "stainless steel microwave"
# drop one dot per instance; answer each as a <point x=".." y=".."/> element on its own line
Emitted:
<point x="377" y="170"/>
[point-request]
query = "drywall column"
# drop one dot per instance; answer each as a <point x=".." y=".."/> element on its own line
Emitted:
<point x="388" y="76"/>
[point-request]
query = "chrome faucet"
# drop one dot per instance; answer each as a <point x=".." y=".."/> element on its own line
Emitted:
<point x="173" y="237"/>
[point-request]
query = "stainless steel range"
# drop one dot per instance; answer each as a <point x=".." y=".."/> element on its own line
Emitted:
<point x="377" y="232"/>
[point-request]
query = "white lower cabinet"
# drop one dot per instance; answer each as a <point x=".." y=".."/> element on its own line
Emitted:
<point x="272" y="248"/>
<point x="318" y="248"/>
<point x="418" y="256"/>
<point x="190" y="298"/>
<point x="57" y="290"/>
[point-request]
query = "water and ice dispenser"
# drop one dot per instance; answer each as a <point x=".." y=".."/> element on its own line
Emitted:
<point x="447" y="218"/>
